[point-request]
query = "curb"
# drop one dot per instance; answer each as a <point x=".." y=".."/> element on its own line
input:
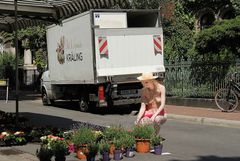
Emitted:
<point x="206" y="121"/>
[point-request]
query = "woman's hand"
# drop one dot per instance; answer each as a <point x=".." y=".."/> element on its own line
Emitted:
<point x="136" y="122"/>
<point x="153" y="118"/>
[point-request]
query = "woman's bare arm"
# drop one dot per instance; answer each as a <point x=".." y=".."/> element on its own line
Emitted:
<point x="141" y="112"/>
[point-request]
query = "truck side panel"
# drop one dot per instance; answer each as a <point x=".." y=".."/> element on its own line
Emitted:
<point x="70" y="51"/>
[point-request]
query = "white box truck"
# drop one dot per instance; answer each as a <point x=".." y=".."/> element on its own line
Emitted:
<point x="95" y="57"/>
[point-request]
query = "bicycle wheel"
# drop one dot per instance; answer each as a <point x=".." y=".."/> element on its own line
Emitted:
<point x="226" y="102"/>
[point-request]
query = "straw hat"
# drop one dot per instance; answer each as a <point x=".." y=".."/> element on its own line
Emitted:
<point x="146" y="76"/>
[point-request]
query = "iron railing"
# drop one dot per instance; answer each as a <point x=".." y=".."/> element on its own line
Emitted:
<point x="185" y="77"/>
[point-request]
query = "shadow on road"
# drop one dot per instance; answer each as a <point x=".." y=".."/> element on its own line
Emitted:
<point x="214" y="158"/>
<point x="42" y="120"/>
<point x="118" y="110"/>
<point x="48" y="120"/>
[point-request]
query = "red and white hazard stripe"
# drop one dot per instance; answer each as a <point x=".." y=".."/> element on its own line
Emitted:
<point x="103" y="46"/>
<point x="157" y="44"/>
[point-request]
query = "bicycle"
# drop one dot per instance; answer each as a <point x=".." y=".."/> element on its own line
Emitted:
<point x="227" y="99"/>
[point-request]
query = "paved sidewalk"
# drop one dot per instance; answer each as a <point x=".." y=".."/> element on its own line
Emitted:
<point x="204" y="115"/>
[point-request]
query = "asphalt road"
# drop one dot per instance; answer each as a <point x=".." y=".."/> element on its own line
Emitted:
<point x="184" y="141"/>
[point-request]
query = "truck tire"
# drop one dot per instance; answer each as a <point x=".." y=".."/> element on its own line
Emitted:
<point x="45" y="100"/>
<point x="83" y="105"/>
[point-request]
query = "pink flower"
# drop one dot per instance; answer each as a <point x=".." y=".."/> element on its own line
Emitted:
<point x="71" y="148"/>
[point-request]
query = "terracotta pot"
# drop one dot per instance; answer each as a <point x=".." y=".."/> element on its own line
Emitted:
<point x="142" y="145"/>
<point x="111" y="149"/>
<point x="80" y="154"/>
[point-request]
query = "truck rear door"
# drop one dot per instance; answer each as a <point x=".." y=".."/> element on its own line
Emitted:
<point x="123" y="50"/>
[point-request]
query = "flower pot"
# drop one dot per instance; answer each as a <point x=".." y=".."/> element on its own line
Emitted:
<point x="158" y="149"/>
<point x="142" y="145"/>
<point x="62" y="158"/>
<point x="105" y="156"/>
<point x="91" y="158"/>
<point x="45" y="158"/>
<point x="129" y="153"/>
<point x="111" y="149"/>
<point x="80" y="154"/>
<point x="117" y="155"/>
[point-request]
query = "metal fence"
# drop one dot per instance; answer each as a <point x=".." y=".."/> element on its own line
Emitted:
<point x="186" y="77"/>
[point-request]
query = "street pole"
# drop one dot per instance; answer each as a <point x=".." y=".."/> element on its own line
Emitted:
<point x="16" y="61"/>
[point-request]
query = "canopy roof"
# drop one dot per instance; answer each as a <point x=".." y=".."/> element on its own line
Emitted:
<point x="33" y="12"/>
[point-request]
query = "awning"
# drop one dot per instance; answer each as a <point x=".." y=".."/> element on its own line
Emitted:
<point x="33" y="12"/>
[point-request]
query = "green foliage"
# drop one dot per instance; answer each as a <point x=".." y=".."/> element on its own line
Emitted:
<point x="145" y="4"/>
<point x="113" y="132"/>
<point x="92" y="149"/>
<point x="33" y="37"/>
<point x="222" y="39"/>
<point x="195" y="5"/>
<point x="59" y="148"/>
<point x="118" y="143"/>
<point x="178" y="33"/>
<point x="128" y="140"/>
<point x="236" y="6"/>
<point x="156" y="140"/>
<point x="4" y="58"/>
<point x="20" y="139"/>
<point x="104" y="146"/>
<point x="143" y="131"/>
<point x="40" y="58"/>
<point x="82" y="136"/>
<point x="184" y="15"/>
<point x="178" y="40"/>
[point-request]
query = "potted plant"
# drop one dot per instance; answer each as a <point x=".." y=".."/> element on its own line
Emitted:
<point x="104" y="148"/>
<point x="91" y="152"/>
<point x="142" y="135"/>
<point x="60" y="149"/>
<point x="9" y="139"/>
<point x="112" y="133"/>
<point x="118" y="144"/>
<point x="20" y="138"/>
<point x="44" y="153"/>
<point x="34" y="135"/>
<point x="81" y="137"/>
<point x="157" y="143"/>
<point x="128" y="141"/>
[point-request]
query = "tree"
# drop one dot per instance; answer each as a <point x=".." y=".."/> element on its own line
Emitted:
<point x="34" y="38"/>
<point x="236" y="6"/>
<point x="178" y="33"/>
<point x="222" y="40"/>
<point x="145" y="4"/>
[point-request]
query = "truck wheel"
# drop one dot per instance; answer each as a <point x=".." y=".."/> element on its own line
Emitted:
<point x="45" y="100"/>
<point x="83" y="105"/>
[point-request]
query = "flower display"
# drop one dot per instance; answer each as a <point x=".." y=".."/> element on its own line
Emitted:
<point x="58" y="145"/>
